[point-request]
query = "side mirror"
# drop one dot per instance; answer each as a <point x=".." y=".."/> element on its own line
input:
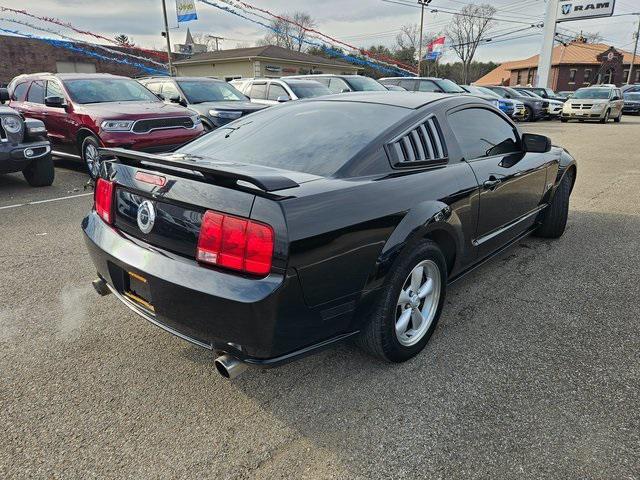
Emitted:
<point x="175" y="99"/>
<point x="345" y="90"/>
<point x="535" y="143"/>
<point x="615" y="97"/>
<point x="4" y="95"/>
<point x="160" y="96"/>
<point x="282" y="99"/>
<point x="55" y="102"/>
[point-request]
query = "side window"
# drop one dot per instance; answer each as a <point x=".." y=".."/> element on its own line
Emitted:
<point x="483" y="133"/>
<point x="337" y="85"/>
<point x="155" y="87"/>
<point x="36" y="92"/>
<point x="276" y="91"/>
<point x="54" y="89"/>
<point x="427" y="86"/>
<point x="618" y="93"/>
<point x="20" y="92"/>
<point x="169" y="90"/>
<point x="258" y="91"/>
<point x="323" y="80"/>
<point x="408" y="84"/>
<point x="395" y="81"/>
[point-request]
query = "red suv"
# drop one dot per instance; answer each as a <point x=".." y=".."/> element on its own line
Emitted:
<point x="83" y="112"/>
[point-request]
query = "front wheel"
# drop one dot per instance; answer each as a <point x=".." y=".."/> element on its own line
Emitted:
<point x="90" y="154"/>
<point x="605" y="119"/>
<point x="409" y="306"/>
<point x="618" y="118"/>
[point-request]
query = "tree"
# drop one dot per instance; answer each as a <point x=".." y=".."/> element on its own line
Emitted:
<point x="407" y="43"/>
<point x="588" y="37"/>
<point x="465" y="31"/>
<point x="124" y="40"/>
<point x="290" y="31"/>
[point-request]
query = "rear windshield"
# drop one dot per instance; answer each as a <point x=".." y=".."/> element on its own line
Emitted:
<point x="105" y="90"/>
<point x="365" y="84"/>
<point x="316" y="137"/>
<point x="200" y="91"/>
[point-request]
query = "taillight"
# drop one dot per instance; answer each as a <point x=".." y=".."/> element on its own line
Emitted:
<point x="104" y="199"/>
<point x="235" y="243"/>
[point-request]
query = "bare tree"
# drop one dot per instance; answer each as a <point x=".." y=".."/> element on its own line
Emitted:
<point x="208" y="40"/>
<point x="124" y="40"/>
<point x="588" y="37"/>
<point x="407" y="42"/>
<point x="291" y="31"/>
<point x="466" y="30"/>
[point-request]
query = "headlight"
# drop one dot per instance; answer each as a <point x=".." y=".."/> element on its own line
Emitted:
<point x="538" y="104"/>
<point x="196" y="120"/>
<point x="598" y="106"/>
<point x="117" y="125"/>
<point x="12" y="124"/>
<point x="225" y="114"/>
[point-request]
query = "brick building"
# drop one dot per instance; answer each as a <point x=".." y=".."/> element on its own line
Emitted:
<point x="573" y="66"/>
<point x="20" y="55"/>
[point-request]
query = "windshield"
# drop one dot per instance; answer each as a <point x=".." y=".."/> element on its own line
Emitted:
<point x="308" y="89"/>
<point x="488" y="91"/>
<point x="333" y="133"/>
<point x="531" y="94"/>
<point x="449" y="86"/>
<point x="513" y="92"/>
<point x="634" y="96"/>
<point x="205" y="91"/>
<point x="593" y="93"/>
<point x="104" y="90"/>
<point x="365" y="84"/>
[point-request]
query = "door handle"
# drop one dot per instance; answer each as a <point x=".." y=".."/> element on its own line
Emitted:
<point x="492" y="183"/>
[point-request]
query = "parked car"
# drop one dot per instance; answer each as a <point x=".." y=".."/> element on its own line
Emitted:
<point x="566" y="94"/>
<point x="594" y="103"/>
<point x="83" y="112"/>
<point x="352" y="230"/>
<point x="555" y="106"/>
<point x="215" y="101"/>
<point x="534" y="109"/>
<point x="271" y="91"/>
<point x="546" y="93"/>
<point x="630" y="87"/>
<point x="631" y="103"/>
<point x="517" y="107"/>
<point x="24" y="146"/>
<point x="345" y="83"/>
<point x="505" y="106"/>
<point x="424" y="84"/>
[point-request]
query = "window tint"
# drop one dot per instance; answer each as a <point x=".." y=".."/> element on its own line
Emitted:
<point x="337" y="85"/>
<point x="483" y="133"/>
<point x="365" y="84"/>
<point x="258" y="91"/>
<point x="408" y="84"/>
<point x="390" y="82"/>
<point x="105" y="90"/>
<point x="20" y="91"/>
<point x="346" y="128"/>
<point x="427" y="86"/>
<point x="170" y="91"/>
<point x="276" y="91"/>
<point x="199" y="91"/>
<point x="36" y="92"/>
<point x="54" y="89"/>
<point x="323" y="80"/>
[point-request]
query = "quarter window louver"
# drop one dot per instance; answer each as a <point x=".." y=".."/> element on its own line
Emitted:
<point x="420" y="145"/>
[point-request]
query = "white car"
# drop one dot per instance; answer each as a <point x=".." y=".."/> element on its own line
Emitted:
<point x="594" y="103"/>
<point x="555" y="106"/>
<point x="271" y="91"/>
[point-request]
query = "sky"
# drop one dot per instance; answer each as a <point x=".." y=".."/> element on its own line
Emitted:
<point x="359" y="22"/>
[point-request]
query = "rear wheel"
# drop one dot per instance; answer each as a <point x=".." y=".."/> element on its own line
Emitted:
<point x="409" y="306"/>
<point x="40" y="173"/>
<point x="91" y="155"/>
<point x="554" y="220"/>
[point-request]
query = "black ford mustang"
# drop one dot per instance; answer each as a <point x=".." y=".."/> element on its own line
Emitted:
<point x="304" y="224"/>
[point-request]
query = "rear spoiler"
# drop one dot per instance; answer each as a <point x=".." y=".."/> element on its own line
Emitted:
<point x="262" y="177"/>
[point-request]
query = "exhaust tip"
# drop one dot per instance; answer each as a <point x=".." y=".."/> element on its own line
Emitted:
<point x="229" y="367"/>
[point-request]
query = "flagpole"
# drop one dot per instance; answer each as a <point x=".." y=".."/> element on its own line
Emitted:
<point x="166" y="33"/>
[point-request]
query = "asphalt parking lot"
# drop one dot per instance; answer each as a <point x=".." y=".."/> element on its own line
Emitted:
<point x="533" y="371"/>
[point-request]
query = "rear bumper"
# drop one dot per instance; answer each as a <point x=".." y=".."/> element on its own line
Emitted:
<point x="261" y="321"/>
<point x="17" y="158"/>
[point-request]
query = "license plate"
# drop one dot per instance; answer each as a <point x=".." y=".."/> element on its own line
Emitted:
<point x="137" y="289"/>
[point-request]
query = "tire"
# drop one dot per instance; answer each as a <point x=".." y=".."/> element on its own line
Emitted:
<point x="554" y="220"/>
<point x="41" y="172"/>
<point x="379" y="337"/>
<point x="207" y="127"/>
<point x="528" y="115"/>
<point x="88" y="152"/>
<point x="605" y="119"/>
<point x="618" y="118"/>
<point x="564" y="120"/>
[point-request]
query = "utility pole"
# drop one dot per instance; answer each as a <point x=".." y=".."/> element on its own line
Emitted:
<point x="635" y="49"/>
<point x="549" y="34"/>
<point x="216" y="39"/>
<point x="422" y="4"/>
<point x="166" y="34"/>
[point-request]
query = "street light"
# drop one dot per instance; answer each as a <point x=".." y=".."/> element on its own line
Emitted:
<point x="422" y="3"/>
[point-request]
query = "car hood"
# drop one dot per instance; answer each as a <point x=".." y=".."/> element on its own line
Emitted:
<point x="7" y="110"/>
<point x="133" y="110"/>
<point x="236" y="106"/>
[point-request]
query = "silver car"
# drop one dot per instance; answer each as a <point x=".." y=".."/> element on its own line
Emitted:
<point x="594" y="103"/>
<point x="271" y="91"/>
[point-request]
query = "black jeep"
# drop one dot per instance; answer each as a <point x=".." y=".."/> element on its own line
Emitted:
<point x="24" y="146"/>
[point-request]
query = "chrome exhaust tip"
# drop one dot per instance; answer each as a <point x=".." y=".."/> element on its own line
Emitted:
<point x="229" y="367"/>
<point x="101" y="287"/>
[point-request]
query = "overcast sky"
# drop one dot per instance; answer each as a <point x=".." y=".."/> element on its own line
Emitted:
<point x="360" y="22"/>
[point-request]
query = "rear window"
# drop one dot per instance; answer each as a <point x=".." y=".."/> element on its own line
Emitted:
<point x="311" y="137"/>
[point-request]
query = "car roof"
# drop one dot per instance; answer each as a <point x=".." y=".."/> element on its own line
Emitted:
<point x="412" y="100"/>
<point x="179" y="79"/>
<point x="410" y="78"/>
<point x="72" y="76"/>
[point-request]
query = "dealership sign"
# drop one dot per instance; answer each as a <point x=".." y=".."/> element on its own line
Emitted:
<point x="583" y="9"/>
<point x="186" y="10"/>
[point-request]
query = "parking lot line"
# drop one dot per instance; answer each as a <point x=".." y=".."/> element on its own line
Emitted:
<point x="45" y="201"/>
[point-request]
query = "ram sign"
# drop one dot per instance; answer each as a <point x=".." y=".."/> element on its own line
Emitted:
<point x="583" y="9"/>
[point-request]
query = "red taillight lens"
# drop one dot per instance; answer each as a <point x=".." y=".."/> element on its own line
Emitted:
<point x="235" y="243"/>
<point x="104" y="200"/>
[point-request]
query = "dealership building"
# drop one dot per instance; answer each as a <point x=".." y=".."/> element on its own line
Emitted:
<point x="573" y="66"/>
<point x="263" y="61"/>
